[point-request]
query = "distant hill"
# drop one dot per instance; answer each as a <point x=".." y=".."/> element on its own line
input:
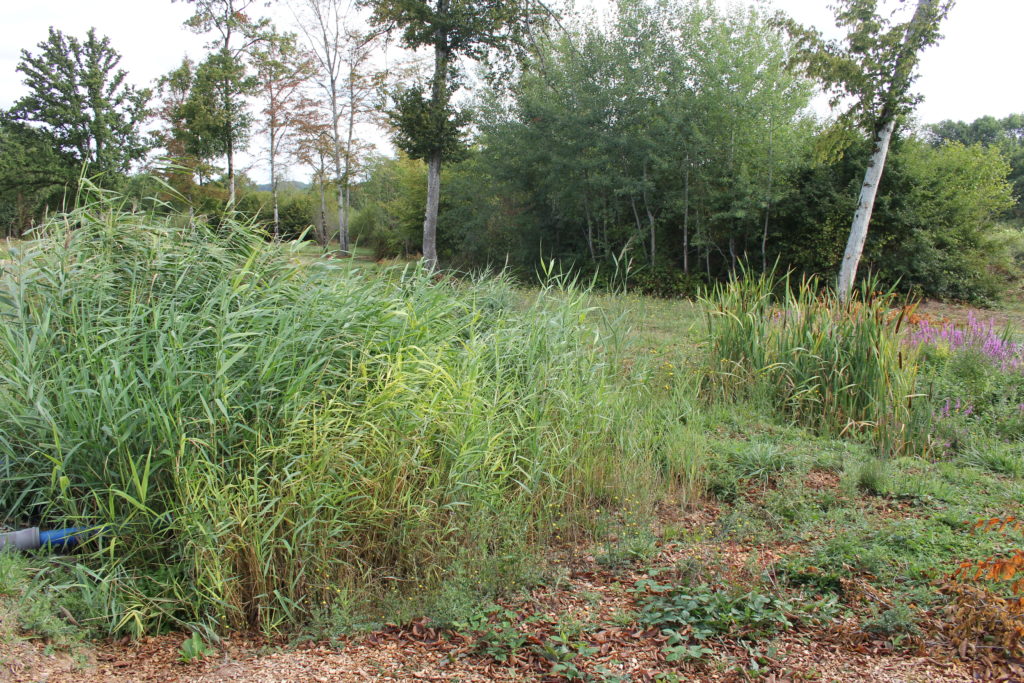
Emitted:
<point x="284" y="185"/>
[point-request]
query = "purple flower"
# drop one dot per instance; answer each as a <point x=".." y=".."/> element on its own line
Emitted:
<point x="977" y="335"/>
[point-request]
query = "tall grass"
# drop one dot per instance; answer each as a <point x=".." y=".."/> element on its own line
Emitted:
<point x="260" y="440"/>
<point x="839" y="368"/>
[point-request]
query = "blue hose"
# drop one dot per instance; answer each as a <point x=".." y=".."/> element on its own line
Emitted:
<point x="33" y="538"/>
<point x="65" y="538"/>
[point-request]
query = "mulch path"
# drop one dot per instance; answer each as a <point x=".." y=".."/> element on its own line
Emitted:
<point x="590" y="594"/>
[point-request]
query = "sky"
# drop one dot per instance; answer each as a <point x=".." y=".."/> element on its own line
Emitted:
<point x="972" y="72"/>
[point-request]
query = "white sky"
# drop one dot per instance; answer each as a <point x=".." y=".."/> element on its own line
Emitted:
<point x="974" y="70"/>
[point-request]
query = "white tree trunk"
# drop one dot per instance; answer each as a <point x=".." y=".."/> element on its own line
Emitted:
<point x="433" y="203"/>
<point x="862" y="217"/>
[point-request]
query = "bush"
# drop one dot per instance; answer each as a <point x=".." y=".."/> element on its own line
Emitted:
<point x="261" y="441"/>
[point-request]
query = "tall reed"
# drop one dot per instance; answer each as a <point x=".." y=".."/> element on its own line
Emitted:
<point x="260" y="440"/>
<point x="836" y="367"/>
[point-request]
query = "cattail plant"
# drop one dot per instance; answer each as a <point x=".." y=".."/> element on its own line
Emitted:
<point x="837" y="367"/>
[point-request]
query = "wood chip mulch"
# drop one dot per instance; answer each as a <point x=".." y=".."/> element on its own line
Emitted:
<point x="590" y="595"/>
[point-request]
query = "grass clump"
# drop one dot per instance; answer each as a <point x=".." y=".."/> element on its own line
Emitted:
<point x="261" y="441"/>
<point x="839" y="368"/>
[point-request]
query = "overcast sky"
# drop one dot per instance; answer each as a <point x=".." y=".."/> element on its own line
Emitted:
<point x="974" y="71"/>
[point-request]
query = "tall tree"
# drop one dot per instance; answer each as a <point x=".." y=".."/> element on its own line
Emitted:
<point x="283" y="71"/>
<point x="224" y="74"/>
<point x="1007" y="135"/>
<point x="428" y="126"/>
<point x="192" y="133"/>
<point x="349" y="85"/>
<point x="876" y="66"/>
<point x="80" y="100"/>
<point x="314" y="147"/>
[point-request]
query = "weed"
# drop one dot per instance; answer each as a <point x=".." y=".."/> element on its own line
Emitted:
<point x="703" y="612"/>
<point x="896" y="622"/>
<point x="194" y="648"/>
<point x="562" y="651"/>
<point x="872" y="476"/>
<point x="265" y="440"/>
<point x="501" y="640"/>
<point x="633" y="545"/>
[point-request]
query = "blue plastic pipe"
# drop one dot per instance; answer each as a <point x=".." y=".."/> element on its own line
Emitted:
<point x="33" y="538"/>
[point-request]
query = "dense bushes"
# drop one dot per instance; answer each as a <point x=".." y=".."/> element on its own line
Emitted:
<point x="262" y="442"/>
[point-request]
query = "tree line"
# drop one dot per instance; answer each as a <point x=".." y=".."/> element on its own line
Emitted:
<point x="662" y="147"/>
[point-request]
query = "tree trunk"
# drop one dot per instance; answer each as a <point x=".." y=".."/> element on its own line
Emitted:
<point x="430" y="218"/>
<point x="686" y="218"/>
<point x="862" y="217"/>
<point x="322" y="238"/>
<point x="651" y="223"/>
<point x="590" y="231"/>
<point x="768" y="199"/>
<point x="231" y="171"/>
<point x="336" y="154"/>
<point x="439" y="103"/>
<point x="873" y="173"/>
<point x="345" y="195"/>
<point x="273" y="187"/>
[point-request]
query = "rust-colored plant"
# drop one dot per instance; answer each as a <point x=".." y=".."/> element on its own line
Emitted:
<point x="986" y="616"/>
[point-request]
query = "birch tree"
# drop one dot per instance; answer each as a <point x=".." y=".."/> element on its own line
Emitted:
<point x="875" y="66"/>
<point x="344" y="74"/>
<point x="283" y="71"/>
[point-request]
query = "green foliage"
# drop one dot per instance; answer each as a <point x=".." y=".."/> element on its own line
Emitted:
<point x="561" y="651"/>
<point x="263" y="438"/>
<point x="33" y="607"/>
<point x="422" y="128"/>
<point x="388" y="207"/>
<point x="841" y="369"/>
<point x="1005" y="135"/>
<point x="874" y="64"/>
<point x="194" y="648"/>
<point x="701" y="612"/>
<point x="897" y="621"/>
<point x="79" y="97"/>
<point x="80" y="116"/>
<point x="213" y="118"/>
<point x="500" y="638"/>
<point x="670" y="124"/>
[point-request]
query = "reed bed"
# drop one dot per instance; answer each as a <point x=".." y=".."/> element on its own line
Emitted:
<point x="260" y="441"/>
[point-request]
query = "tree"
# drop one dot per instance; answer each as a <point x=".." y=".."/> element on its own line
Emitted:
<point x="188" y="136"/>
<point x="32" y="174"/>
<point x="672" y="127"/>
<point x="876" y="67"/>
<point x="1006" y="135"/>
<point x="314" y="147"/>
<point x="80" y="101"/>
<point x="428" y="126"/>
<point x="342" y="56"/>
<point x="222" y="79"/>
<point x="283" y="72"/>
